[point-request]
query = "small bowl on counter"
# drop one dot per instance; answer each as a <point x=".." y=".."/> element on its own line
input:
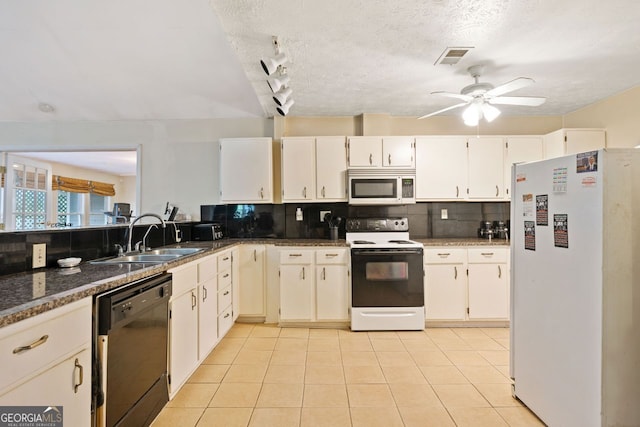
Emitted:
<point x="69" y="262"/>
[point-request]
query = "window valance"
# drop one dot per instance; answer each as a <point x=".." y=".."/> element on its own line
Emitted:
<point x="75" y="185"/>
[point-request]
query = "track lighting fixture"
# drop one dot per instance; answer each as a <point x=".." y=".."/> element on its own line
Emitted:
<point x="281" y="97"/>
<point x="270" y="65"/>
<point x="276" y="83"/>
<point x="284" y="109"/>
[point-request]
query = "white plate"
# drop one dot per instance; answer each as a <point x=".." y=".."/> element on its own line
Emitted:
<point x="69" y="262"/>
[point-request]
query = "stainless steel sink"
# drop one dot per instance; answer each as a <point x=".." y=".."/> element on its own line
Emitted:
<point x="156" y="256"/>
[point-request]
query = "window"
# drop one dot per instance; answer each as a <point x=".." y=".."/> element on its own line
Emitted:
<point x="70" y="209"/>
<point x="28" y="188"/>
<point x="98" y="205"/>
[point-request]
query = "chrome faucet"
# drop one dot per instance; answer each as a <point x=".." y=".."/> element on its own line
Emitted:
<point x="129" y="248"/>
<point x="142" y="245"/>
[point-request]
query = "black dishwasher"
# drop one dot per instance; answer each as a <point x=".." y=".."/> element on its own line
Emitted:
<point x="132" y="334"/>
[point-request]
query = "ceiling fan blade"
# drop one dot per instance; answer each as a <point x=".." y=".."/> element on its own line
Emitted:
<point x="443" y="110"/>
<point x="531" y="101"/>
<point x="515" y="84"/>
<point x="453" y="95"/>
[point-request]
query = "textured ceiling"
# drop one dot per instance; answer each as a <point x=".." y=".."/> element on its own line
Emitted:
<point x="191" y="59"/>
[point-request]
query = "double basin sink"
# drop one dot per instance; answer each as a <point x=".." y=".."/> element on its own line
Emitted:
<point x="156" y="256"/>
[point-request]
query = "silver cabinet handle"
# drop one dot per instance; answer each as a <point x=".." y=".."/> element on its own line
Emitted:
<point x="324" y="274"/>
<point x="262" y="192"/>
<point x="455" y="272"/>
<point x="389" y="158"/>
<point x="255" y="256"/>
<point x="304" y="192"/>
<point x="330" y="255"/>
<point x="370" y="159"/>
<point x="497" y="191"/>
<point x="295" y="255"/>
<point x="194" y="301"/>
<point x="302" y="273"/>
<point x="43" y="339"/>
<point x="226" y="315"/>
<point x="225" y="258"/>
<point x="499" y="272"/>
<point x="225" y="276"/>
<point x="226" y="293"/>
<point x="323" y="195"/>
<point x="80" y="370"/>
<point x="486" y="253"/>
<point x="443" y="254"/>
<point x="204" y="293"/>
<point x="457" y="191"/>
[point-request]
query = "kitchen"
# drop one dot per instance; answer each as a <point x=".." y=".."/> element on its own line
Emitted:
<point x="176" y="154"/>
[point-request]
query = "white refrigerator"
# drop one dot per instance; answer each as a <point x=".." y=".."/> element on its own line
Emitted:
<point x="575" y="288"/>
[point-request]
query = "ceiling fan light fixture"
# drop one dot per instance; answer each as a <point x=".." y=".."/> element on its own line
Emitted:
<point x="490" y="112"/>
<point x="281" y="97"/>
<point x="284" y="109"/>
<point x="270" y="65"/>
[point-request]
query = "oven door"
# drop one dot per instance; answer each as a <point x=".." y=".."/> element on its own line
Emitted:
<point x="387" y="277"/>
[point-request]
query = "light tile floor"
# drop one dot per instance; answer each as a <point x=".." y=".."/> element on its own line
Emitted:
<point x="262" y="375"/>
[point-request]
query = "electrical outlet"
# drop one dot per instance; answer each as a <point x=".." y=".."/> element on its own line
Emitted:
<point x="444" y="214"/>
<point x="39" y="285"/>
<point x="39" y="255"/>
<point x="322" y="215"/>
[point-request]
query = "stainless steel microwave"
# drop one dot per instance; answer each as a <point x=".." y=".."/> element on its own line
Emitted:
<point x="381" y="186"/>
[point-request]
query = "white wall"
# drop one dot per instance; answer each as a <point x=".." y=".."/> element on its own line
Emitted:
<point x="179" y="159"/>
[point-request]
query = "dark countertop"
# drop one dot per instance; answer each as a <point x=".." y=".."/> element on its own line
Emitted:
<point x="21" y="296"/>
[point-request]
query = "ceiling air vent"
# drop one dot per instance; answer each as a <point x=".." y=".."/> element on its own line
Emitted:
<point x="452" y="55"/>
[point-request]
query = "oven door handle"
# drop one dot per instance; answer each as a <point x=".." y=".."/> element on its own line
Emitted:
<point x="386" y="251"/>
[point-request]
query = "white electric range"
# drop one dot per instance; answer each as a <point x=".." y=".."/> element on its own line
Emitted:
<point x="387" y="290"/>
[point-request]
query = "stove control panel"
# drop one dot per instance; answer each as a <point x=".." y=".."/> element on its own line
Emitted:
<point x="377" y="224"/>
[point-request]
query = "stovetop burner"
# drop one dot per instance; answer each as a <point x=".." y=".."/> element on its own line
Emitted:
<point x="362" y="242"/>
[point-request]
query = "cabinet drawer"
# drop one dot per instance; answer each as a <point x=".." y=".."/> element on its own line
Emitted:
<point x="225" y="320"/>
<point x="296" y="256"/>
<point x="207" y="269"/>
<point x="488" y="254"/>
<point x="224" y="299"/>
<point x="331" y="256"/>
<point x="224" y="261"/>
<point x="52" y="335"/>
<point x="224" y="279"/>
<point x="445" y="256"/>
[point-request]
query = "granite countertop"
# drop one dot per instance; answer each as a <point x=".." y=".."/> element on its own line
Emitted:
<point x="30" y="293"/>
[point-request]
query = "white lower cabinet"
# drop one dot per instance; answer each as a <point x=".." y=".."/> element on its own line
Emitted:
<point x="208" y="306"/>
<point x="488" y="283"/>
<point x="463" y="284"/>
<point x="46" y="361"/>
<point x="314" y="285"/>
<point x="252" y="301"/>
<point x="445" y="284"/>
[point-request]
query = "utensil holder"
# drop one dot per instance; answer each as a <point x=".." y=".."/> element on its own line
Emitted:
<point x="333" y="233"/>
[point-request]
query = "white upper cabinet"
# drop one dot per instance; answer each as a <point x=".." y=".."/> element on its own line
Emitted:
<point x="331" y="168"/>
<point x="298" y="169"/>
<point x="572" y="141"/>
<point x="398" y="151"/>
<point x="486" y="167"/>
<point x="520" y="149"/>
<point x="441" y="168"/>
<point x="365" y="151"/>
<point x="375" y="151"/>
<point x="246" y="174"/>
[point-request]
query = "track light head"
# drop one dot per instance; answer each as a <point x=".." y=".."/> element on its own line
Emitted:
<point x="281" y="97"/>
<point x="270" y="65"/>
<point x="275" y="83"/>
<point x="284" y="109"/>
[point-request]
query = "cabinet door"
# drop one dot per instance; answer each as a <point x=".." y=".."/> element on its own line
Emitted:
<point x="365" y="151"/>
<point x="298" y="169"/>
<point x="441" y="168"/>
<point x="488" y="291"/>
<point x="332" y="292"/>
<point x="246" y="170"/>
<point x="520" y="149"/>
<point x="331" y="168"/>
<point x="445" y="292"/>
<point x="581" y="140"/>
<point x="183" y="329"/>
<point x="207" y="317"/>
<point x="398" y="151"/>
<point x="296" y="282"/>
<point x="486" y="168"/>
<point x="56" y="387"/>
<point x="252" y="283"/>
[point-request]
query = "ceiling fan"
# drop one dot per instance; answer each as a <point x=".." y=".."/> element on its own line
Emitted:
<point x="480" y="97"/>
